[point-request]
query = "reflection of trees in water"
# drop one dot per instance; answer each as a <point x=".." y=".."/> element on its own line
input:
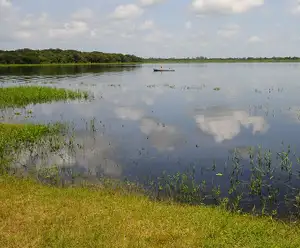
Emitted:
<point x="64" y="70"/>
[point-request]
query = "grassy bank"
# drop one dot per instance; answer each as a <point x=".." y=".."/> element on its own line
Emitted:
<point x="21" y="96"/>
<point x="33" y="215"/>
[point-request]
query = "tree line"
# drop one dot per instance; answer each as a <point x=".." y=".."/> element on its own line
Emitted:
<point x="59" y="56"/>
<point x="229" y="59"/>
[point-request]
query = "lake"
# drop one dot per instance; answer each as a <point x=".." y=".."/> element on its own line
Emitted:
<point x="148" y="122"/>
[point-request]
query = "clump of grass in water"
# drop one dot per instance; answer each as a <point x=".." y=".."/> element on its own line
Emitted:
<point x="217" y="88"/>
<point x="14" y="137"/>
<point x="23" y="95"/>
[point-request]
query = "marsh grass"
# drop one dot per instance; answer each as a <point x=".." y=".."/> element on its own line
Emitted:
<point x="265" y="183"/>
<point x="21" y="96"/>
<point x="15" y="137"/>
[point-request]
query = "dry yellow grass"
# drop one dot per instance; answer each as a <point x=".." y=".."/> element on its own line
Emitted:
<point x="33" y="215"/>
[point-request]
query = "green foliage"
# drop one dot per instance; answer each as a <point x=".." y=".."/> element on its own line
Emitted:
<point x="58" y="56"/>
<point x="23" y="95"/>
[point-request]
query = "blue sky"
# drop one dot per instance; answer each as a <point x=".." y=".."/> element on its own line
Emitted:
<point x="213" y="28"/>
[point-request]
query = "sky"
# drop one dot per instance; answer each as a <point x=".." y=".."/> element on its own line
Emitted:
<point x="155" y="28"/>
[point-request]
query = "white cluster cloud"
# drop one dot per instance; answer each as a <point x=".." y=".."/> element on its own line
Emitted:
<point x="224" y="6"/>
<point x="147" y="25"/>
<point x="6" y="16"/>
<point x="188" y="25"/>
<point x="150" y="2"/>
<point x="134" y="27"/>
<point x="69" y="30"/>
<point x="5" y="3"/>
<point x="157" y="36"/>
<point x="296" y="9"/>
<point x="129" y="11"/>
<point x="30" y="28"/>
<point x="255" y="39"/>
<point x="84" y="14"/>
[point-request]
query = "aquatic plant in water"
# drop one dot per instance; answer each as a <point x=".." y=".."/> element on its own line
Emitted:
<point x="263" y="184"/>
<point x="23" y="95"/>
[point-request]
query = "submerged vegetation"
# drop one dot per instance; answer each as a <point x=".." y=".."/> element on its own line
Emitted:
<point x="21" y="96"/>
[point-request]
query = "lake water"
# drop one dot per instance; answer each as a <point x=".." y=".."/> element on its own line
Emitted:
<point x="149" y="122"/>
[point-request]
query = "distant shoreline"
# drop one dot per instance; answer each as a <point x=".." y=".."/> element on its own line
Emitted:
<point x="208" y="61"/>
<point x="66" y="64"/>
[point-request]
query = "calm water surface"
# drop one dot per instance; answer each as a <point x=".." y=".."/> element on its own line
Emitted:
<point x="152" y="122"/>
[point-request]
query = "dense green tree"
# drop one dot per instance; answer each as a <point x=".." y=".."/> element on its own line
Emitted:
<point x="54" y="56"/>
<point x="50" y="56"/>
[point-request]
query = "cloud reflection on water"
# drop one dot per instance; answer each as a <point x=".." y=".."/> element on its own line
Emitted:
<point x="93" y="156"/>
<point x="162" y="137"/>
<point x="129" y="113"/>
<point x="225" y="124"/>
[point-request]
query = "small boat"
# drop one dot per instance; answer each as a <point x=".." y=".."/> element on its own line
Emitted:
<point x="160" y="70"/>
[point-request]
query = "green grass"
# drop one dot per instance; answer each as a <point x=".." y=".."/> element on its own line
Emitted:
<point x="34" y="215"/>
<point x="25" y="132"/>
<point x="14" y="137"/>
<point x="21" y="96"/>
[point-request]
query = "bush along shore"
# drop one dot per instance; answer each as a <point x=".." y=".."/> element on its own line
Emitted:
<point x="168" y="211"/>
<point x="59" y="56"/>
